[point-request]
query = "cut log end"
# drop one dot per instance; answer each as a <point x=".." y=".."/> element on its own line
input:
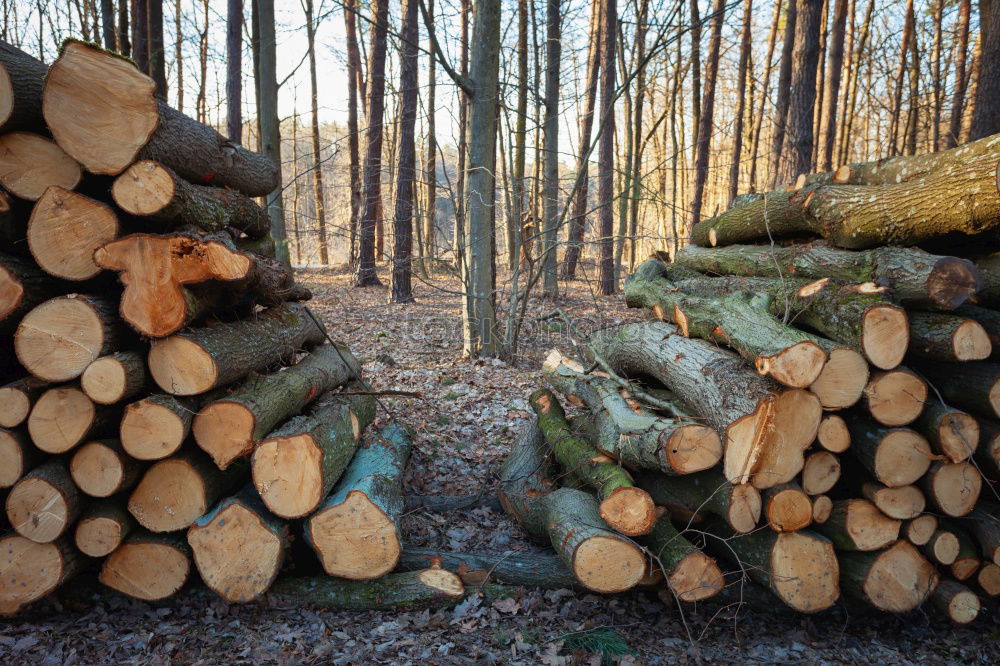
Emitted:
<point x="789" y="510"/>
<point x="820" y="472"/>
<point x="608" y="565"/>
<point x="957" y="602"/>
<point x="629" y="511"/>
<point x="170" y="496"/>
<point x="237" y="556"/>
<point x="804" y="572"/>
<point x="693" y="448"/>
<point x="61" y="419"/>
<point x="105" y="380"/>
<point x="11" y="292"/>
<point x="181" y="367"/>
<point x="57" y="340"/>
<point x="988" y="578"/>
<point x="99" y="536"/>
<point x="921" y="529"/>
<point x="288" y="474"/>
<point x="896" y="397"/>
<point x="797" y="366"/>
<point x="224" y="430"/>
<point x="14" y="407"/>
<point x="30" y="163"/>
<point x="970" y="342"/>
<point x="843" y="379"/>
<point x="144" y="188"/>
<point x="12" y="460"/>
<point x="954" y="487"/>
<point x="943" y="548"/>
<point x="151" y="431"/>
<point x="794" y="424"/>
<point x="952" y="281"/>
<point x="822" y="508"/>
<point x="97" y="469"/>
<point x="442" y="580"/>
<point x="900" y="579"/>
<point x="833" y="434"/>
<point x="355" y="539"/>
<point x="868" y="528"/>
<point x="696" y="577"/>
<point x="66" y="229"/>
<point x="146" y="570"/>
<point x="902" y="458"/>
<point x="745" y="507"/>
<point x="958" y="436"/>
<point x="903" y="503"/>
<point x="39" y="510"/>
<point x="28" y="572"/>
<point x="885" y="335"/>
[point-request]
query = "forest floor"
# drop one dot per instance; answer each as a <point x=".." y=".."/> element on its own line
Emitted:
<point x="465" y="419"/>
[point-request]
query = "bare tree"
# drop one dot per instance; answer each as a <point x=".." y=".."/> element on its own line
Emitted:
<point x="708" y="109"/>
<point x="234" y="70"/>
<point x="833" y="81"/>
<point x="353" y="149"/>
<point x="799" y="132"/>
<point x="157" y="66"/>
<point x="124" y="44"/>
<point x="741" y="86"/>
<point x="606" y="148"/>
<point x="550" y="196"/>
<point x="784" y="92"/>
<point x="402" y="221"/>
<point x="108" y="24"/>
<point x="958" y="95"/>
<point x="319" y="194"/>
<point x="986" y="117"/>
<point x="430" y="160"/>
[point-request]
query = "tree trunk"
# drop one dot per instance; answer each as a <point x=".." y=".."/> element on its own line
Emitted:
<point x="319" y="194"/>
<point x="230" y="427"/>
<point x="550" y="129"/>
<point x="741" y="86"/>
<point x="401" y="290"/>
<point x="234" y="70"/>
<point x="150" y="567"/>
<point x="353" y="74"/>
<point x="986" y="116"/>
<point x="124" y="45"/>
<point x="784" y="92"/>
<point x="66" y="229"/>
<point x="430" y="159"/>
<point x="140" y="34"/>
<point x="605" y="151"/>
<point x="895" y="580"/>
<point x="958" y="95"/>
<point x="983" y="523"/>
<point x="108" y="25"/>
<point x="356" y="531"/>
<point x="395" y="592"/>
<point x="956" y="602"/>
<point x="895" y="109"/>
<point x="707" y="115"/>
<point x="542" y="570"/>
<point x="799" y="140"/>
<point x="157" y="56"/>
<point x="44" y="503"/>
<point x="976" y="388"/>
<point x="708" y="491"/>
<point x="30" y="571"/>
<point x="833" y="81"/>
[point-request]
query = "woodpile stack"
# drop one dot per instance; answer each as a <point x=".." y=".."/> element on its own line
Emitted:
<point x="822" y="414"/>
<point x="174" y="408"/>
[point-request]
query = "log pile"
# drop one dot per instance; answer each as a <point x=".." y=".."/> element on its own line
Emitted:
<point x="841" y="376"/>
<point x="175" y="413"/>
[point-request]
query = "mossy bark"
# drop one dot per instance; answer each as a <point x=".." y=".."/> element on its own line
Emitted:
<point x="543" y="570"/>
<point x="973" y="385"/>
<point x="707" y="491"/>
<point x="397" y="591"/>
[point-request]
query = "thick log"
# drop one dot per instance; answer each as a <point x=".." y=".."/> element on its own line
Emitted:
<point x="624" y="507"/>
<point x="21" y="79"/>
<point x="989" y="268"/>
<point x="16" y="399"/>
<point x="920" y="530"/>
<point x="297" y="465"/>
<point x="115" y="377"/>
<point x="107" y="132"/>
<point x="691" y="575"/>
<point x="894" y="456"/>
<point x="984" y="523"/>
<point x="17" y="456"/>
<point x="543" y="570"/>
<point x="987" y="456"/>
<point x="974" y="386"/>
<point x="913" y="277"/>
<point x="629" y="433"/>
<point x="709" y="491"/>
<point x="154" y="428"/>
<point x="800" y="568"/>
<point x="44" y="503"/>
<point x="102" y="468"/>
<point x="787" y="508"/>
<point x="961" y="198"/>
<point x="956" y="602"/>
<point x="948" y="337"/>
<point x="820" y="472"/>
<point x="765" y="430"/>
<point x="953" y="487"/>
<point x="895" y="397"/>
<point x="355" y="532"/>
<point x="230" y="427"/>
<point x="833" y="434"/>
<point x="400" y="591"/>
<point x="942" y="548"/>
<point x="30" y="571"/>
<point x="155" y="269"/>
<point x="857" y="524"/>
<point x="63" y="418"/>
<point x="239" y="547"/>
<point x="148" y="566"/>
<point x="894" y="580"/>
<point x="30" y="164"/>
<point x="903" y="503"/>
<point x="58" y="339"/>
<point x="65" y="230"/>
<point x="822" y="508"/>
<point x="22" y="287"/>
<point x="951" y="432"/>
<point x="103" y="527"/>
<point x="988" y="579"/>
<point x="199" y="360"/>
<point x="568" y="519"/>
<point x="175" y="492"/>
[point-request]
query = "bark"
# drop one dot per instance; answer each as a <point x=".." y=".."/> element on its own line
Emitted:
<point x="430" y="159"/>
<point x="115" y="377"/>
<point x="708" y="491"/>
<point x="784" y="92"/>
<point x="741" y="84"/>
<point x="356" y="531"/>
<point x="230" y="427"/>
<point x="984" y="523"/>
<point x="319" y="194"/>
<point x="401" y="591"/>
<point x="234" y="70"/>
<point x="124" y="45"/>
<point x="541" y="570"/>
<point x="401" y="290"/>
<point x="149" y="567"/>
<point x="550" y="130"/>
<point x="833" y="81"/>
<point x="21" y="93"/>
<point x="353" y="74"/>
<point x="605" y="150"/>
<point x="691" y="575"/>
<point x="895" y="580"/>
<point x="707" y="113"/>
<point x="958" y="95"/>
<point x="986" y="116"/>
<point x="987" y="456"/>
<point x="199" y="360"/>
<point x="989" y="269"/>
<point x="30" y="571"/>
<point x="44" y="503"/>
<point x="976" y="388"/>
<point x="946" y="337"/>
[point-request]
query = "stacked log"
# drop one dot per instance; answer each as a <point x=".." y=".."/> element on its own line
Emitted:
<point x="173" y="406"/>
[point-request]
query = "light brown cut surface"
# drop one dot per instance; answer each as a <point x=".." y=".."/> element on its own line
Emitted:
<point x="11" y="460"/>
<point x="797" y="366"/>
<point x="868" y="527"/>
<point x="224" y="430"/>
<point x="6" y="95"/>
<point x="820" y="472"/>
<point x="896" y="397"/>
<point x="30" y="163"/>
<point x="97" y="537"/>
<point x="355" y="539"/>
<point x="789" y="510"/>
<point x="37" y="510"/>
<point x="236" y="555"/>
<point x="900" y="579"/>
<point x="14" y="407"/>
<point x="903" y="456"/>
<point x="963" y="607"/>
<point x="943" y="547"/>
<point x="988" y="578"/>
<point x="169" y="497"/>
<point x="970" y="342"/>
<point x="885" y="335"/>
<point x="66" y="229"/>
<point x="693" y="448"/>
<point x="744" y="442"/>
<point x="629" y="511"/>
<point x="150" y="431"/>
<point x="146" y="570"/>
<point x="28" y="571"/>
<point x="607" y="565"/>
<point x="143" y="189"/>
<point x="843" y="379"/>
<point x="58" y="339"/>
<point x="697" y="577"/>
<point x="61" y="419"/>
<point x="822" y="508"/>
<point x="955" y="488"/>
<point x="11" y="292"/>
<point x="959" y="436"/>
<point x="745" y="507"/>
<point x="179" y="366"/>
<point x="920" y="530"/>
<point x="99" y="107"/>
<point x="963" y="568"/>
<point x="96" y="469"/>
<point x="796" y="417"/>
<point x="442" y="580"/>
<point x="902" y="503"/>
<point x="804" y="572"/>
<point x="104" y="381"/>
<point x="833" y="434"/>
<point x="287" y="472"/>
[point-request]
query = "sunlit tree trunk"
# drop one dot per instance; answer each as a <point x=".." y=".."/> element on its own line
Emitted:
<point x="157" y="56"/>
<point x="550" y="201"/>
<point x="704" y="141"/>
<point x="986" y="118"/>
<point x="353" y="149"/>
<point x="799" y="142"/>
<point x="765" y="88"/>
<point x="784" y="90"/>
<point x="836" y="49"/>
<point x="741" y="86"/>
<point x="402" y="221"/>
